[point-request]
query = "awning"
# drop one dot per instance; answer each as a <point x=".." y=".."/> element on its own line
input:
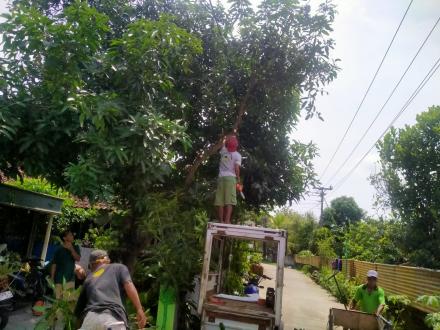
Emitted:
<point x="38" y="202"/>
<point x="21" y="198"/>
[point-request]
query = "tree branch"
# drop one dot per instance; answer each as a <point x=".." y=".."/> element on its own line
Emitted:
<point x="214" y="148"/>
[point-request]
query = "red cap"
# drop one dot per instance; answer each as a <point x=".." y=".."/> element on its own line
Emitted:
<point x="231" y="143"/>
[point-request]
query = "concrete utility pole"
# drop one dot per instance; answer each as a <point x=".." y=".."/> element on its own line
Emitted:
<point x="322" y="193"/>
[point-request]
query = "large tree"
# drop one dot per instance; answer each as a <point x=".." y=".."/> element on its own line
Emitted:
<point x="342" y="212"/>
<point x="108" y="104"/>
<point x="409" y="184"/>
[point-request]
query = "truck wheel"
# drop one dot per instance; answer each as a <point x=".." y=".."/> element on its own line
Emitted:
<point x="281" y="327"/>
<point x="4" y="317"/>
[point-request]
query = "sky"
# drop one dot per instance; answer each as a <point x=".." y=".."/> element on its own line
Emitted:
<point x="362" y="31"/>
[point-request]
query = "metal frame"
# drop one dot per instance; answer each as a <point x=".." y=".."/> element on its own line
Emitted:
<point x="247" y="233"/>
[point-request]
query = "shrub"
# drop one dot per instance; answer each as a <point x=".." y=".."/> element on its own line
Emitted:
<point x="396" y="311"/>
<point x="432" y="320"/>
<point x="306" y="269"/>
<point x="305" y="253"/>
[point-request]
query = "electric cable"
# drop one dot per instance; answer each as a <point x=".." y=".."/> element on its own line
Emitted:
<point x="422" y="84"/>
<point x="366" y="92"/>
<point x="386" y="102"/>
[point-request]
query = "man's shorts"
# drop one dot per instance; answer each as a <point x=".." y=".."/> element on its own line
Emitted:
<point x="101" y="321"/>
<point x="226" y="191"/>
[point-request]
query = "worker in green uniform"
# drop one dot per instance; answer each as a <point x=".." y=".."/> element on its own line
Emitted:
<point x="369" y="297"/>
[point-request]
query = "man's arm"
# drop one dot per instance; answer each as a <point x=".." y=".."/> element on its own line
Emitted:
<point x="380" y="309"/>
<point x="237" y="172"/>
<point x="133" y="295"/>
<point x="381" y="302"/>
<point x="75" y="255"/>
<point x="53" y="269"/>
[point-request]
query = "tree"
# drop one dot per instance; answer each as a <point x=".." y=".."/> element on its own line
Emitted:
<point x="342" y="212"/>
<point x="408" y="183"/>
<point x="109" y="105"/>
<point x="374" y="241"/>
<point x="300" y="229"/>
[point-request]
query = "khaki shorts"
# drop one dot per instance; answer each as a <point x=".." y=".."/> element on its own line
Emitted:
<point x="59" y="289"/>
<point x="101" y="321"/>
<point x="226" y="191"/>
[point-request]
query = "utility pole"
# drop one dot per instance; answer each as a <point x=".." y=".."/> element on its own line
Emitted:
<point x="322" y="193"/>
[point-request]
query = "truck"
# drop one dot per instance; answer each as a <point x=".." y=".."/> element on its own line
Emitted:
<point x="230" y="314"/>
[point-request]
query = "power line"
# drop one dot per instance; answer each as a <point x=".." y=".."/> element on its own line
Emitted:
<point x="367" y="91"/>
<point x="422" y="84"/>
<point x="386" y="102"/>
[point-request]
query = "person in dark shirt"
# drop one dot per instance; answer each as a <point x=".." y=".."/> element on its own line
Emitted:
<point x="63" y="264"/>
<point x="101" y="301"/>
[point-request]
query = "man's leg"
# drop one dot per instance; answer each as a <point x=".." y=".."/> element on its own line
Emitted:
<point x="58" y="291"/>
<point x="220" y="213"/>
<point x="228" y="213"/>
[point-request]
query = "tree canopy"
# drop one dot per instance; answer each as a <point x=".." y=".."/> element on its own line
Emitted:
<point x="408" y="183"/>
<point x="126" y="102"/>
<point x="342" y="212"/>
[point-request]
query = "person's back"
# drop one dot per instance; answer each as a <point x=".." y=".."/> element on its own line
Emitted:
<point x="105" y="290"/>
<point x="101" y="302"/>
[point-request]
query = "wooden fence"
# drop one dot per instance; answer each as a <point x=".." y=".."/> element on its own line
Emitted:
<point x="398" y="280"/>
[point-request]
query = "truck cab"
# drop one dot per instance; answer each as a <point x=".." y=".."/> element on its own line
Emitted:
<point x="218" y="312"/>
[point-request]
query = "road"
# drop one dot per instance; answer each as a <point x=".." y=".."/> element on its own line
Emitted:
<point x="305" y="304"/>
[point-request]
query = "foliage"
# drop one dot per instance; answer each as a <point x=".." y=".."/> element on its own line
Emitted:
<point x="408" y="183"/>
<point x="139" y="88"/>
<point x="432" y="319"/>
<point x="299" y="227"/>
<point x="346" y="289"/>
<point x="178" y="249"/>
<point x="305" y="253"/>
<point x="306" y="269"/>
<point x="397" y="311"/>
<point x="60" y="311"/>
<point x="324" y="238"/>
<point x="342" y="212"/>
<point x="9" y="261"/>
<point x="70" y="215"/>
<point x="374" y="241"/>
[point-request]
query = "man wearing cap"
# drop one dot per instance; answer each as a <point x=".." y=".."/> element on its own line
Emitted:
<point x="229" y="176"/>
<point x="101" y="301"/>
<point x="369" y="296"/>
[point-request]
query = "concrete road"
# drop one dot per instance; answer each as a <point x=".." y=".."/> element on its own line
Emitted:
<point x="305" y="304"/>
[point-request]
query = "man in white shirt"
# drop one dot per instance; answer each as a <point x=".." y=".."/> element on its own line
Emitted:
<point x="229" y="176"/>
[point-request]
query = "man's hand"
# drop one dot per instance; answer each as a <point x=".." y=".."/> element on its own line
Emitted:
<point x="141" y="318"/>
<point x="68" y="245"/>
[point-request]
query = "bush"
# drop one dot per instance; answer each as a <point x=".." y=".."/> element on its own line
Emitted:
<point x="305" y="253"/>
<point x="397" y="311"/>
<point x="306" y="269"/>
<point x="432" y="320"/>
<point x="343" y="290"/>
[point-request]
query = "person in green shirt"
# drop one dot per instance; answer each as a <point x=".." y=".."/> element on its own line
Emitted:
<point x="63" y="264"/>
<point x="369" y="297"/>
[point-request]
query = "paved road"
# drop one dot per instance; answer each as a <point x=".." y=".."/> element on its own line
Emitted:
<point x="305" y="304"/>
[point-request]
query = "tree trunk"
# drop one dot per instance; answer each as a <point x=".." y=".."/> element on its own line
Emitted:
<point x="212" y="149"/>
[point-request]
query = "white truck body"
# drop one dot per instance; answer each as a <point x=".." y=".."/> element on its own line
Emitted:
<point x="234" y="314"/>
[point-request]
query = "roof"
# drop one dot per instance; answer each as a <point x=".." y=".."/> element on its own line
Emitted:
<point x="21" y="198"/>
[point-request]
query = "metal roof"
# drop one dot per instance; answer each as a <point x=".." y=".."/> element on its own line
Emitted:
<point x="21" y="198"/>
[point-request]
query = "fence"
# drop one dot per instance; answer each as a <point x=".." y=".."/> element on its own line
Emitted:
<point x="398" y="280"/>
